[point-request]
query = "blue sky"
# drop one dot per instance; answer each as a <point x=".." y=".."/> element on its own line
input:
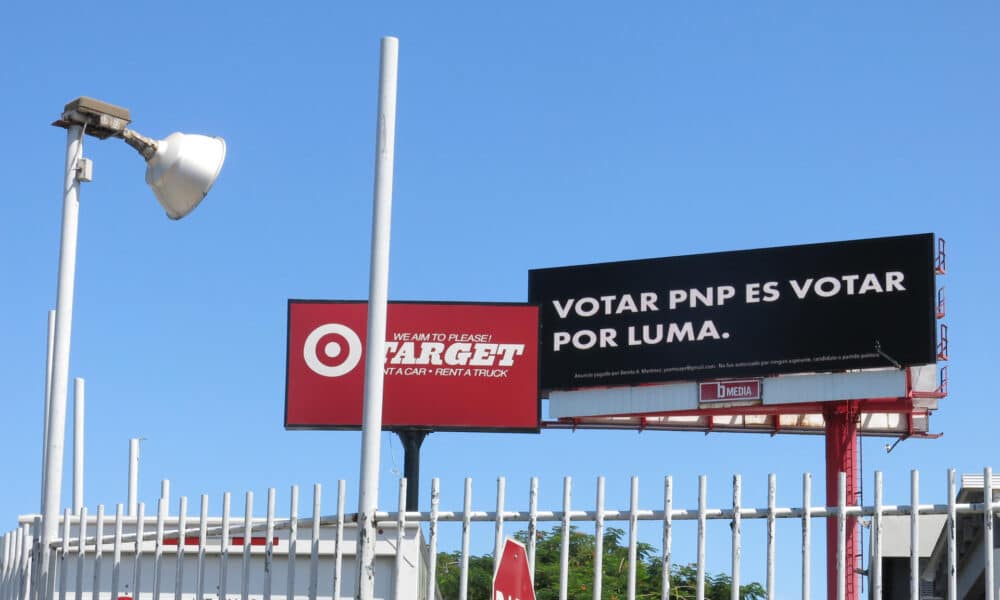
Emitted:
<point x="528" y="136"/>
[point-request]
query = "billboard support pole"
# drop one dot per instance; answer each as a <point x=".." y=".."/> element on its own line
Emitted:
<point x="841" y="457"/>
<point x="412" y="439"/>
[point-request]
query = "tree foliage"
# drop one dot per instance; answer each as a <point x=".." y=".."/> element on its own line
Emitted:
<point x="614" y="582"/>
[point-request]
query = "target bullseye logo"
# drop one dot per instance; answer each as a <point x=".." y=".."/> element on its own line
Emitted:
<point x="332" y="350"/>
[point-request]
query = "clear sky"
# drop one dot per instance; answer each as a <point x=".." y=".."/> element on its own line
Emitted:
<point x="528" y="135"/>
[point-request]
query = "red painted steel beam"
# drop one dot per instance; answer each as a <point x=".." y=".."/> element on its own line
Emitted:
<point x="841" y="457"/>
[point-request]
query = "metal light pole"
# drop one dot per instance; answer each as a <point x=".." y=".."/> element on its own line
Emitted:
<point x="48" y="390"/>
<point x="371" y="421"/>
<point x="181" y="169"/>
<point x="79" y="410"/>
<point x="56" y="428"/>
<point x="133" y="476"/>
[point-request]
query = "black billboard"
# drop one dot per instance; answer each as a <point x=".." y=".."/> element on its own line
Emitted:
<point x="811" y="308"/>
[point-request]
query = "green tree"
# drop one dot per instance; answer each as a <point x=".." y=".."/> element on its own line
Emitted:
<point x="614" y="580"/>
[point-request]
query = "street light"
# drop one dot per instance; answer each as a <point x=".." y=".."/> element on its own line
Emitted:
<point x="181" y="170"/>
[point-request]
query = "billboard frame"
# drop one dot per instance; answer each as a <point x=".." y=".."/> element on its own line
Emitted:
<point x="645" y="284"/>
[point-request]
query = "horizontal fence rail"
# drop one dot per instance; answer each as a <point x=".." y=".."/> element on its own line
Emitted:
<point x="103" y="555"/>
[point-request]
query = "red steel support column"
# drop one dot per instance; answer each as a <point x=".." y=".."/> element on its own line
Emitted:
<point x="841" y="457"/>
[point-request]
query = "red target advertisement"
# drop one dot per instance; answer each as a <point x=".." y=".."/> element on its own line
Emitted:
<point x="448" y="366"/>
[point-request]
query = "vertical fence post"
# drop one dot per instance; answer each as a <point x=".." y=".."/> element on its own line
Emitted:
<point x="400" y="540"/>
<point x="988" y="539"/>
<point x="64" y="555"/>
<point x="668" y="535"/>
<point x="24" y="586"/>
<point x="181" y="542"/>
<point x="15" y="556"/>
<point x="314" y="555"/>
<point x="772" y="483"/>
<point x="247" y="540"/>
<point x="6" y="571"/>
<point x="16" y="543"/>
<point x="293" y="540"/>
<point x="5" y="567"/>
<point x="463" y="574"/>
<point x="269" y="545"/>
<point x="532" y="526"/>
<point x="877" y="539"/>
<point x="702" y="503"/>
<point x="914" y="534"/>
<point x="38" y="589"/>
<point x="806" y="532"/>
<point x="564" y="546"/>
<point x="140" y="533"/>
<point x="338" y="559"/>
<point x="951" y="525"/>
<point x="224" y="547"/>
<point x="734" y="592"/>
<point x="98" y="552"/>
<point x="161" y="516"/>
<point x="29" y="562"/>
<point x="498" y="525"/>
<point x="18" y="564"/>
<point x="18" y="574"/>
<point x="13" y="570"/>
<point x="432" y="550"/>
<point x="81" y="552"/>
<point x="133" y="478"/>
<point x="599" y="540"/>
<point x="202" y="547"/>
<point x="28" y="589"/>
<point x="633" y="537"/>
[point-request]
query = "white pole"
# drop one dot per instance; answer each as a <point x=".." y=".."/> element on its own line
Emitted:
<point x="60" y="354"/>
<point x="78" y="413"/>
<point x="48" y="396"/>
<point x="133" y="475"/>
<point x="371" y="425"/>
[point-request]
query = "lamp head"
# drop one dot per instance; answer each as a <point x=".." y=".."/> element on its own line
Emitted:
<point x="182" y="169"/>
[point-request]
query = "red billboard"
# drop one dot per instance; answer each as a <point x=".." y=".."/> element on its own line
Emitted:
<point x="448" y="366"/>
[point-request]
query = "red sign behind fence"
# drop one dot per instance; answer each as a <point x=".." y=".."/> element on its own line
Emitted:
<point x="463" y="367"/>
<point x="513" y="579"/>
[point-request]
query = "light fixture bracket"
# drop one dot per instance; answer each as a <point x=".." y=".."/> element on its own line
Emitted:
<point x="99" y="119"/>
<point x="145" y="146"/>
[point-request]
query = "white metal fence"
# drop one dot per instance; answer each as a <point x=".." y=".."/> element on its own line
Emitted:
<point x="291" y="558"/>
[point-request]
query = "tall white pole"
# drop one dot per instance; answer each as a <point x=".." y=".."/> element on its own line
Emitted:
<point x="133" y="476"/>
<point x="48" y="400"/>
<point x="51" y="497"/>
<point x="78" y="413"/>
<point x="371" y="423"/>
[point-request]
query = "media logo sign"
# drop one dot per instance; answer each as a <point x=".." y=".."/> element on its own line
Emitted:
<point x="448" y="366"/>
<point x="737" y="390"/>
